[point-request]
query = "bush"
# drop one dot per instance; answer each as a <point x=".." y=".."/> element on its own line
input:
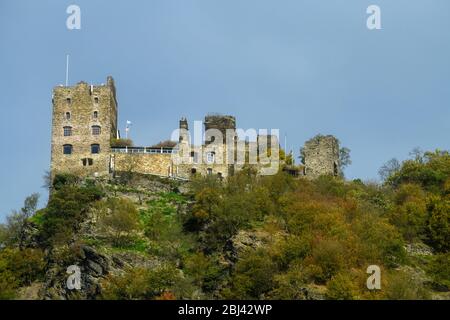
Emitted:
<point x="439" y="224"/>
<point x="19" y="268"/>
<point x="402" y="286"/>
<point x="439" y="269"/>
<point x="123" y="219"/>
<point x="141" y="283"/>
<point x="66" y="209"/>
<point x="341" y="287"/>
<point x="165" y="144"/>
<point x="64" y="179"/>
<point x="121" y="143"/>
<point x="252" y="276"/>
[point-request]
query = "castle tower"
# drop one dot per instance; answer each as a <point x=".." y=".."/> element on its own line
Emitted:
<point x="221" y="123"/>
<point x="184" y="145"/>
<point x="321" y="156"/>
<point x="83" y="122"/>
<point x="184" y="130"/>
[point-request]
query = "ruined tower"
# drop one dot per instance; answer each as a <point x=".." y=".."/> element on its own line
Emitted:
<point x="321" y="156"/>
<point x="219" y="123"/>
<point x="83" y="122"/>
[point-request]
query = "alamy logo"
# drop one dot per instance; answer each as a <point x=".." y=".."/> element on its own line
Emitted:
<point x="74" y="20"/>
<point x="374" y="20"/>
<point x="374" y="280"/>
<point x="74" y="279"/>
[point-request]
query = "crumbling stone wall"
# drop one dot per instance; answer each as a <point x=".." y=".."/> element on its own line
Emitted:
<point x="321" y="156"/>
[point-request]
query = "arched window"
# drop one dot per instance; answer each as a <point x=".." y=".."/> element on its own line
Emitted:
<point x="68" y="100"/>
<point x="96" y="130"/>
<point x="95" y="148"/>
<point x="67" y="131"/>
<point x="67" y="115"/>
<point x="67" y="149"/>
<point x="96" y="100"/>
<point x="95" y="114"/>
<point x="209" y="171"/>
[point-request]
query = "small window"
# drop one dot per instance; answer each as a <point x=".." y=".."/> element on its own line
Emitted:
<point x="209" y="171"/>
<point x="67" y="149"/>
<point x="193" y="171"/>
<point x="95" y="148"/>
<point x="67" y="131"/>
<point x="95" y="114"/>
<point x="96" y="100"/>
<point x="67" y="115"/>
<point x="210" y="157"/>
<point x="68" y="100"/>
<point x="96" y="130"/>
<point x="84" y="162"/>
<point x="90" y="161"/>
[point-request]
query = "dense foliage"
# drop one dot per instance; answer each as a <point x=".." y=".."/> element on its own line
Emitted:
<point x="252" y="237"/>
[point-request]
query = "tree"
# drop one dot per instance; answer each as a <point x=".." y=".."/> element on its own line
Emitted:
<point x="344" y="158"/>
<point x="66" y="209"/>
<point x="11" y="233"/>
<point x="439" y="224"/>
<point x="389" y="168"/>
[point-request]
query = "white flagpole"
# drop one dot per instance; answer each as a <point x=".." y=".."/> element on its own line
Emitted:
<point x="67" y="70"/>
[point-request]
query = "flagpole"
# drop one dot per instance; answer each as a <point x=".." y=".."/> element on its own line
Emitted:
<point x="67" y="70"/>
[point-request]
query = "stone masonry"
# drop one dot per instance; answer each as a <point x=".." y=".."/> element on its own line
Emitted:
<point x="321" y="156"/>
<point x="84" y="121"/>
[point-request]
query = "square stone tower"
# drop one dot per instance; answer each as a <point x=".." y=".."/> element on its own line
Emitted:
<point x="83" y="123"/>
<point x="321" y="156"/>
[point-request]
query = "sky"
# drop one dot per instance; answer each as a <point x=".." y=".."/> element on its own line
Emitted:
<point x="302" y="66"/>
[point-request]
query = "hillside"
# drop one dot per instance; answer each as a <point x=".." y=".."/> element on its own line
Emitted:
<point x="249" y="237"/>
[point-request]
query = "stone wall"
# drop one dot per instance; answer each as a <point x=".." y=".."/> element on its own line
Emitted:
<point x="159" y="164"/>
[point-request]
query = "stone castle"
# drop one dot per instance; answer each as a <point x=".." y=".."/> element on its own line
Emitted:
<point x="84" y="125"/>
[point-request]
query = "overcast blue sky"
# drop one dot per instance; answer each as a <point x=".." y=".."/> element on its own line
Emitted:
<point x="305" y="67"/>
